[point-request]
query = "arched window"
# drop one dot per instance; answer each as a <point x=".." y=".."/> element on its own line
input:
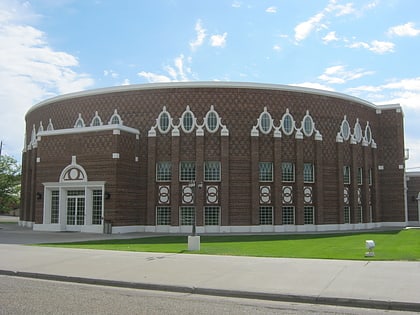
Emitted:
<point x="96" y="120"/>
<point x="115" y="119"/>
<point x="79" y="122"/>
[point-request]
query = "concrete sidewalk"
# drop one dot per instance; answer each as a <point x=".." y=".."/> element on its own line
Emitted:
<point x="385" y="285"/>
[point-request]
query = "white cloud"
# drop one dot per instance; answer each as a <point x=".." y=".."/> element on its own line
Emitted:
<point x="277" y="47"/>
<point x="218" y="40"/>
<point x="303" y="29"/>
<point x="201" y="35"/>
<point x="339" y="74"/>
<point x="340" y="9"/>
<point x="111" y="73"/>
<point x="375" y="46"/>
<point x="30" y="71"/>
<point x="331" y="36"/>
<point x="174" y="73"/>
<point x="236" y="4"/>
<point x="407" y="29"/>
<point x="271" y="10"/>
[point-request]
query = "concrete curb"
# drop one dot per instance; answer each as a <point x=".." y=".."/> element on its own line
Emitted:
<point x="375" y="304"/>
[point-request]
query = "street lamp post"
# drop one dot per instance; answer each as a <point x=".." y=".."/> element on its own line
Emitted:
<point x="194" y="239"/>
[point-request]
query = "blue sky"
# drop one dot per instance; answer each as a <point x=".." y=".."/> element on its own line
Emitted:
<point x="365" y="48"/>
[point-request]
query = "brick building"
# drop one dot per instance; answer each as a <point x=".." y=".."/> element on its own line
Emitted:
<point x="240" y="157"/>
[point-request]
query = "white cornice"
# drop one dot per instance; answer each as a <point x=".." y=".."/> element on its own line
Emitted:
<point x="206" y="84"/>
<point x="87" y="129"/>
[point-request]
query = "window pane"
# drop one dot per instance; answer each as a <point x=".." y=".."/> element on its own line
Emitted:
<point x="212" y="216"/>
<point x="266" y="171"/>
<point x="187" y="171"/>
<point x="346" y="171"/>
<point x="346" y="214"/>
<point x="212" y="171"/>
<point x="97" y="207"/>
<point x="163" y="216"/>
<point x="163" y="171"/>
<point x="308" y="213"/>
<point x="308" y="173"/>
<point x="55" y="206"/>
<point x="359" y="176"/>
<point x="266" y="215"/>
<point x="187" y="215"/>
<point x="288" y="215"/>
<point x="288" y="172"/>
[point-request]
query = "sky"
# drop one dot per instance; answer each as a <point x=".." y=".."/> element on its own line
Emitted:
<point x="364" y="48"/>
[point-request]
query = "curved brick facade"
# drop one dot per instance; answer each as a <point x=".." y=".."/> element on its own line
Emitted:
<point x="243" y="157"/>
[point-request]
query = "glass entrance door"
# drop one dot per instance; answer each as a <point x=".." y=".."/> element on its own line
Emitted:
<point x="75" y="207"/>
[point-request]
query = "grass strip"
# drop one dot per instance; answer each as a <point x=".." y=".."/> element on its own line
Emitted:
<point x="390" y="245"/>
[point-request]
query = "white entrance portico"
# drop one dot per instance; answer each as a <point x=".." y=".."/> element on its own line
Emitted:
<point x="73" y="203"/>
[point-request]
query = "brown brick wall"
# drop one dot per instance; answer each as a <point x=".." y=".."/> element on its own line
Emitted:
<point x="133" y="200"/>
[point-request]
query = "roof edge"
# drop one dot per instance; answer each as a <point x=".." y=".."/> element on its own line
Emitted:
<point x="204" y="84"/>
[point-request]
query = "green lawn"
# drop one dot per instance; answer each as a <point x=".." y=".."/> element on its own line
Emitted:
<point x="390" y="245"/>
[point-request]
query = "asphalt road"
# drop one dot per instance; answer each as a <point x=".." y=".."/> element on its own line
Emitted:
<point x="32" y="296"/>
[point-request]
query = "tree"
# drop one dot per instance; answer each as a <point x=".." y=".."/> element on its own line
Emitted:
<point x="10" y="173"/>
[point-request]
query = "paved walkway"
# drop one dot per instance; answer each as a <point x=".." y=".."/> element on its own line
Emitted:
<point x="375" y="284"/>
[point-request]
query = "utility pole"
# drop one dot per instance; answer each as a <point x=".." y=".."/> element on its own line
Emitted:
<point x="1" y="146"/>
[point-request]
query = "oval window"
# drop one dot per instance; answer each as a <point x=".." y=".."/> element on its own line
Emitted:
<point x="368" y="134"/>
<point x="187" y="121"/>
<point x="308" y="126"/>
<point x="287" y="124"/>
<point x="212" y="121"/>
<point x="358" y="132"/>
<point x="345" y="130"/>
<point x="265" y="122"/>
<point x="164" y="122"/>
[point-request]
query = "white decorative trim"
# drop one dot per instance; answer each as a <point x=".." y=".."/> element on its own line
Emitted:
<point x="115" y="116"/>
<point x="400" y="167"/>
<point x="265" y="195"/>
<point x="116" y="132"/>
<point x="212" y="194"/>
<point x="96" y="119"/>
<point x="89" y="129"/>
<point x="381" y="167"/>
<point x="38" y="159"/>
<point x="115" y="155"/>
<point x="164" y="194"/>
<point x="73" y="173"/>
